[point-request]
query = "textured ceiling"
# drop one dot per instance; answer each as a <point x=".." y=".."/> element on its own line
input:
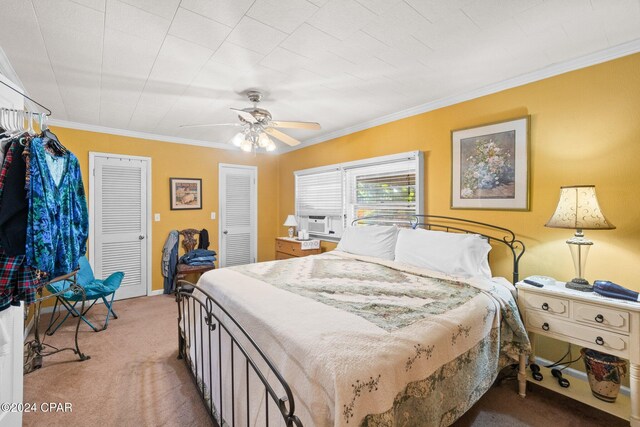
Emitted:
<point x="152" y="65"/>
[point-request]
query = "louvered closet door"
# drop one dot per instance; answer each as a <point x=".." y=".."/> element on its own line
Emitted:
<point x="120" y="221"/>
<point x="238" y="215"/>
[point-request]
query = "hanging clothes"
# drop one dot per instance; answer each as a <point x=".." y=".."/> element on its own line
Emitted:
<point x="203" y="240"/>
<point x="18" y="281"/>
<point x="14" y="205"/>
<point x="58" y="224"/>
<point x="170" y="260"/>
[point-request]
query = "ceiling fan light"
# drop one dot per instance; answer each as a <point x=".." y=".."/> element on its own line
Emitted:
<point x="246" y="146"/>
<point x="263" y="140"/>
<point x="238" y="139"/>
<point x="271" y="146"/>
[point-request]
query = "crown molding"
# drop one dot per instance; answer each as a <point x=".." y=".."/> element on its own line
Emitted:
<point x="601" y="56"/>
<point x="141" y="135"/>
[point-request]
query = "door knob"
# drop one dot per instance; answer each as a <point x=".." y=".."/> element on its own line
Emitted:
<point x="140" y="237"/>
<point x="225" y="232"/>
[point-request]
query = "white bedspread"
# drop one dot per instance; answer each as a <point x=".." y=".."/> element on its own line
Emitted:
<point x="363" y="341"/>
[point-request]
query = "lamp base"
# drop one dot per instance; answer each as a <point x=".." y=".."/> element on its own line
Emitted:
<point x="579" y="284"/>
<point x="290" y="232"/>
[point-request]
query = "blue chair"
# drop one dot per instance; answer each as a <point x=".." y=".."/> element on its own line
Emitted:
<point x="95" y="289"/>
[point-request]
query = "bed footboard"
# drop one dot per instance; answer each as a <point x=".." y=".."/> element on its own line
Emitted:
<point x="235" y="378"/>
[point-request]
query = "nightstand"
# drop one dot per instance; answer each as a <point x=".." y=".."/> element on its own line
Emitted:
<point x="292" y="248"/>
<point x="589" y="320"/>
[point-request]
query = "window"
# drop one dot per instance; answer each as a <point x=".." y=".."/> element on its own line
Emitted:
<point x="330" y="198"/>
<point x="386" y="189"/>
<point x="319" y="193"/>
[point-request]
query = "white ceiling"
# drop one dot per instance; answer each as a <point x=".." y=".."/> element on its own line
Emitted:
<point x="152" y="65"/>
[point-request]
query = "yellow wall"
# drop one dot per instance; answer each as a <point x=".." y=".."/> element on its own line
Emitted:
<point x="585" y="129"/>
<point x="183" y="161"/>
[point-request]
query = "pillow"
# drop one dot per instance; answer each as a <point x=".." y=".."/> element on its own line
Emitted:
<point x="455" y="254"/>
<point x="370" y="240"/>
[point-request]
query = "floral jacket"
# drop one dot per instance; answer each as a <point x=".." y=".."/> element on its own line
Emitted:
<point x="58" y="224"/>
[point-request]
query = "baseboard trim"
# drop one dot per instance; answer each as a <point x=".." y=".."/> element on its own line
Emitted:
<point x="575" y="373"/>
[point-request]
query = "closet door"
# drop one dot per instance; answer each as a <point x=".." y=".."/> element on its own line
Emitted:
<point x="238" y="215"/>
<point x="120" y="222"/>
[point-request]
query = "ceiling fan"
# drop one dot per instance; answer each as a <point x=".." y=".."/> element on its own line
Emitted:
<point x="257" y="125"/>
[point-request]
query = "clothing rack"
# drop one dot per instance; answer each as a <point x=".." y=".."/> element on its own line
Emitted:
<point x="48" y="111"/>
<point x="36" y="348"/>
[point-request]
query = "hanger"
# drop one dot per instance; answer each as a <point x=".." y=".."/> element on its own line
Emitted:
<point x="13" y="125"/>
<point x="51" y="140"/>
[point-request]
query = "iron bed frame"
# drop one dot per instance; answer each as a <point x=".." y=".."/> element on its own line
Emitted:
<point x="215" y="318"/>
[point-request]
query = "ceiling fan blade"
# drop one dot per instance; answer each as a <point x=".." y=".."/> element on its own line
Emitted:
<point x="210" y="124"/>
<point x="282" y="137"/>
<point x="295" y="125"/>
<point x="247" y="116"/>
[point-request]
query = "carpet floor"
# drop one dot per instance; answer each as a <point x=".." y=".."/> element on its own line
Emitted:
<point x="134" y="379"/>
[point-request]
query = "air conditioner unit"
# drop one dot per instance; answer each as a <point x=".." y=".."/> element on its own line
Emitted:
<point x="318" y="224"/>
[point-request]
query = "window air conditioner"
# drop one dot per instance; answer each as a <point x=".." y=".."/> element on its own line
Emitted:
<point x="318" y="224"/>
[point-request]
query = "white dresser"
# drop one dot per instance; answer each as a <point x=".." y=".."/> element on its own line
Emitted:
<point x="586" y="319"/>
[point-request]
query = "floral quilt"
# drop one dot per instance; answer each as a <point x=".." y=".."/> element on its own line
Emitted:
<point x="370" y="342"/>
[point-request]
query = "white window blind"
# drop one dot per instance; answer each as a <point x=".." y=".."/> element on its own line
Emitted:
<point x="387" y="185"/>
<point x="319" y="193"/>
<point x="382" y="189"/>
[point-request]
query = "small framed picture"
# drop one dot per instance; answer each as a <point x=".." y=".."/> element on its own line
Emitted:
<point x="490" y="166"/>
<point x="186" y="193"/>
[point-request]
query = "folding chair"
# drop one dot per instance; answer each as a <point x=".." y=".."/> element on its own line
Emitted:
<point x="95" y="289"/>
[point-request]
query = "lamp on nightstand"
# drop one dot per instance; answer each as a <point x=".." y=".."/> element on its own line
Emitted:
<point x="578" y="209"/>
<point x="291" y="223"/>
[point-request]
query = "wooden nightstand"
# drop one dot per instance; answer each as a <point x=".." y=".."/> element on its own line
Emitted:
<point x="292" y="248"/>
<point x="586" y="319"/>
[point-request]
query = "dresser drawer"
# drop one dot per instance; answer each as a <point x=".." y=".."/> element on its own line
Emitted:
<point x="282" y="255"/>
<point x="552" y="305"/>
<point x="288" y="247"/>
<point x="607" y="342"/>
<point x="605" y="318"/>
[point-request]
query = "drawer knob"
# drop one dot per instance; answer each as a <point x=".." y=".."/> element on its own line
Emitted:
<point x="545" y="326"/>
<point x="545" y="306"/>
<point x="599" y="341"/>
<point x="599" y="318"/>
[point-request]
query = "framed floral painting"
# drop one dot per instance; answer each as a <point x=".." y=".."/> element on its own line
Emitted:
<point x="186" y="193"/>
<point x="490" y="167"/>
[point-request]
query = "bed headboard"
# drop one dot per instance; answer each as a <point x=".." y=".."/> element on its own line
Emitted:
<point x="493" y="233"/>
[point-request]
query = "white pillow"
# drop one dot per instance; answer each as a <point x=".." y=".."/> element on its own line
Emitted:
<point x="455" y="254"/>
<point x="370" y="240"/>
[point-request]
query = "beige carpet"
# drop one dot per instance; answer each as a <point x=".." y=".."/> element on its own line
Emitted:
<point x="134" y="379"/>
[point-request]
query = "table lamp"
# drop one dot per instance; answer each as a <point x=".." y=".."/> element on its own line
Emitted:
<point x="578" y="209"/>
<point x="291" y="223"/>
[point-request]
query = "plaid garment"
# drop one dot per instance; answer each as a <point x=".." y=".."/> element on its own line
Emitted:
<point x="18" y="282"/>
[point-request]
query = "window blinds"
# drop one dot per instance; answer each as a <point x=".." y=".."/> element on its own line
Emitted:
<point x="382" y="189"/>
<point x="319" y="193"/>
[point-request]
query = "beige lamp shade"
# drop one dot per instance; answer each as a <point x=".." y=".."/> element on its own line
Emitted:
<point x="578" y="209"/>
<point x="291" y="221"/>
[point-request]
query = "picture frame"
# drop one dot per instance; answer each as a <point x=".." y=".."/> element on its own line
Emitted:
<point x="186" y="193"/>
<point x="490" y="166"/>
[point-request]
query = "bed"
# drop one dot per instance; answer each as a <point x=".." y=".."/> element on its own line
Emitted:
<point x="344" y="339"/>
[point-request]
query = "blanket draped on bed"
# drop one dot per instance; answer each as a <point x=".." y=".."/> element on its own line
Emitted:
<point x="368" y="342"/>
